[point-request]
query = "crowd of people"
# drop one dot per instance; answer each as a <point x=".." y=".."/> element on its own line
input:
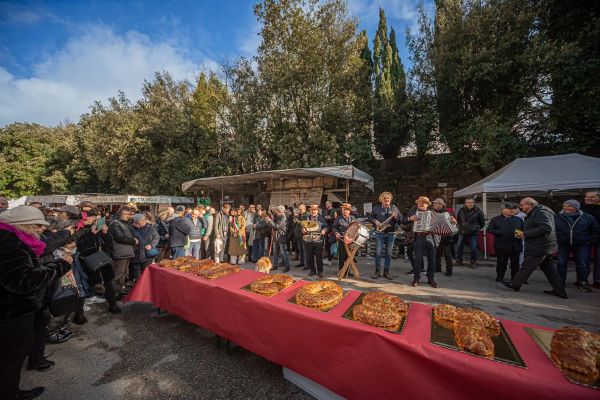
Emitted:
<point x="100" y="255"/>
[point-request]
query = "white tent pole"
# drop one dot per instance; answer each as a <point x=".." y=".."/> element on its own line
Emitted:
<point x="484" y="200"/>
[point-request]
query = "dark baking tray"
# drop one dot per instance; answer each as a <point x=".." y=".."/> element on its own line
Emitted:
<point x="247" y="288"/>
<point x="348" y="315"/>
<point x="505" y="351"/>
<point x="543" y="339"/>
<point x="293" y="301"/>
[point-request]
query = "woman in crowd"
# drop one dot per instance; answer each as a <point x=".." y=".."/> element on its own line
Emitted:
<point x="23" y="284"/>
<point x="237" y="237"/>
<point x="145" y="250"/>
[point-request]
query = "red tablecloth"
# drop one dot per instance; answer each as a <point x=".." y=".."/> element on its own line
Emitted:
<point x="349" y="358"/>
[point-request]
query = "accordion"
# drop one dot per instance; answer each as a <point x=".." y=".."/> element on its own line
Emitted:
<point x="436" y="223"/>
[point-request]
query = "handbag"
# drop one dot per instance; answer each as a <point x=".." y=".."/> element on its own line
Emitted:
<point x="153" y="252"/>
<point x="97" y="260"/>
<point x="65" y="296"/>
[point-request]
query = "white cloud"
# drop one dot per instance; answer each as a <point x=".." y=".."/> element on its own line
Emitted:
<point x="250" y="41"/>
<point x="367" y="11"/>
<point x="93" y="66"/>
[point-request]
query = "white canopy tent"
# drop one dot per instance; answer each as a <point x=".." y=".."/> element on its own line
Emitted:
<point x="565" y="172"/>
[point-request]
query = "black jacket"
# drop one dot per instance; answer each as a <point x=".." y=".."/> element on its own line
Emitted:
<point x="503" y="230"/>
<point x="341" y="224"/>
<point x="121" y="239"/>
<point x="583" y="230"/>
<point x="179" y="229"/>
<point x="280" y="225"/>
<point x="539" y="231"/>
<point x="593" y="210"/>
<point x="23" y="279"/>
<point x="471" y="221"/>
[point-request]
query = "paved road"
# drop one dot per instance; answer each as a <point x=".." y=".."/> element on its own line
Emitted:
<point x="142" y="355"/>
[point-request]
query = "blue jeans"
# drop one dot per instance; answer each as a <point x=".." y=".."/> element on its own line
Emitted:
<point x="194" y="249"/>
<point x="581" y="254"/>
<point x="258" y="249"/>
<point x="177" y="252"/>
<point x="279" y="249"/>
<point x="300" y="243"/>
<point x="472" y="240"/>
<point x="380" y="238"/>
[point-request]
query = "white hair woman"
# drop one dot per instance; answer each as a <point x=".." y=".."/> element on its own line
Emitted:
<point x="23" y="284"/>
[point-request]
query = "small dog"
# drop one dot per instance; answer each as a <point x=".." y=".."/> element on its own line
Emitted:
<point x="264" y="265"/>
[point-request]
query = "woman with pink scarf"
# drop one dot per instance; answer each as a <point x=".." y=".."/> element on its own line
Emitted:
<point x="23" y="284"/>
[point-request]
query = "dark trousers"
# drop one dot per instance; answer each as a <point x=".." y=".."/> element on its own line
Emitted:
<point x="109" y="287"/>
<point x="342" y="254"/>
<point x="424" y="246"/>
<point x="258" y="249"/>
<point x="300" y="245"/>
<point x="410" y="252"/>
<point x="16" y="335"/>
<point x="502" y="259"/>
<point x="137" y="268"/>
<point x="314" y="250"/>
<point x="40" y="330"/>
<point x="580" y="254"/>
<point x="444" y="250"/>
<point x="530" y="263"/>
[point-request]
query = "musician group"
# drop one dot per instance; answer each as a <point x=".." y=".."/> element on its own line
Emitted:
<point x="427" y="227"/>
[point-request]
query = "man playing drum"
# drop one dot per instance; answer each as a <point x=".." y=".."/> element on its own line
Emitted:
<point x="384" y="217"/>
<point x="339" y="229"/>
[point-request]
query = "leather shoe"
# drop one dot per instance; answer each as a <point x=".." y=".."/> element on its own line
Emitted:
<point x="432" y="283"/>
<point x="510" y="286"/>
<point x="557" y="294"/>
<point x="30" y="394"/>
<point x="320" y="275"/>
<point x="411" y="272"/>
<point x="387" y="275"/>
<point x="415" y="282"/>
<point x="375" y="275"/>
<point x="286" y="269"/>
<point x="80" y="320"/>
<point x="299" y="265"/>
<point x="448" y="273"/>
<point x="311" y="273"/>
<point x="114" y="310"/>
<point x="305" y="268"/>
<point x="41" y="365"/>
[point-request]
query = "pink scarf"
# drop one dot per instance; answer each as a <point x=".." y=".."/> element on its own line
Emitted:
<point x="35" y="244"/>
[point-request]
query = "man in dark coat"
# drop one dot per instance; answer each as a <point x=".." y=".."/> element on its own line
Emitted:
<point x="507" y="246"/>
<point x="313" y="242"/>
<point x="591" y="205"/>
<point x="575" y="233"/>
<point x="279" y="223"/>
<point x="179" y="229"/>
<point x="148" y="239"/>
<point x="470" y="221"/>
<point x="540" y="243"/>
<point x="122" y="243"/>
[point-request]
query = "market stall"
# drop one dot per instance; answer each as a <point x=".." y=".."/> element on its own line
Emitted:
<point x="285" y="186"/>
<point x="352" y="359"/>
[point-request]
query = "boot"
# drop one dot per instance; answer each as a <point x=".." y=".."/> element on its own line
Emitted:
<point x="415" y="282"/>
<point x="432" y="283"/>
<point x="286" y="269"/>
<point x="114" y="309"/>
<point x="387" y="275"/>
<point x="40" y="365"/>
<point x="375" y="275"/>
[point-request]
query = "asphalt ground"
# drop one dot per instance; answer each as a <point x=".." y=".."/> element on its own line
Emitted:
<point x="141" y="354"/>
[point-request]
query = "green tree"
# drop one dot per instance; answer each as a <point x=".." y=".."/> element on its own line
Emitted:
<point x="390" y="101"/>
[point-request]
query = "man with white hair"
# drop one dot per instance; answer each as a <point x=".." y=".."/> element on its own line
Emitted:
<point x="279" y="225"/>
<point x="539" y="233"/>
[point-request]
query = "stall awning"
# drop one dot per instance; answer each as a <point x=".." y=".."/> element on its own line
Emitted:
<point x="551" y="173"/>
<point x="236" y="182"/>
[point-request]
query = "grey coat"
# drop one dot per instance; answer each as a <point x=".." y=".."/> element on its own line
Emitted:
<point x="221" y="225"/>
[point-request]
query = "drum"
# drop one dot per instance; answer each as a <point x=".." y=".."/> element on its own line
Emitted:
<point x="356" y="235"/>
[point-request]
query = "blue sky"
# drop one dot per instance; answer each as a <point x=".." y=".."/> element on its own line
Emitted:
<point x="57" y="58"/>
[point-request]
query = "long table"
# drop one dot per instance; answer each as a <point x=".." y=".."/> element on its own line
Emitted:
<point x="354" y="360"/>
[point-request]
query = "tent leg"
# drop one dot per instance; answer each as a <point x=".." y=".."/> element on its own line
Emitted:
<point x="347" y="189"/>
<point x="484" y="201"/>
